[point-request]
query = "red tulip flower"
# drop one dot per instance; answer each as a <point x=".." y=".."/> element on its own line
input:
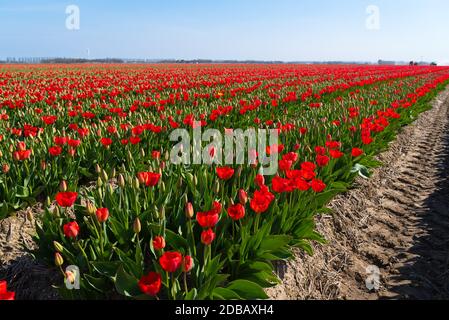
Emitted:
<point x="171" y="261"/>
<point x="356" y="152"/>
<point x="4" y="293"/>
<point x="66" y="199"/>
<point x="207" y="237"/>
<point x="318" y="185"/>
<point x="236" y="212"/>
<point x="149" y="179"/>
<point x="158" y="243"/>
<point x="55" y="151"/>
<point x="102" y="214"/>
<point x="187" y="264"/>
<point x="150" y="284"/>
<point x="71" y="229"/>
<point x="225" y="173"/>
<point x="261" y="200"/>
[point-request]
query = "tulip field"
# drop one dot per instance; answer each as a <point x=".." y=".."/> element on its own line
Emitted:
<point x="91" y="144"/>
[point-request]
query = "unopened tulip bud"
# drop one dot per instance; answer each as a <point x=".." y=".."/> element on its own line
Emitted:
<point x="239" y="171"/>
<point x="113" y="173"/>
<point x="63" y="186"/>
<point x="137" y="227"/>
<point x="58" y="247"/>
<point x="136" y="183"/>
<point x="90" y="208"/>
<point x="59" y="261"/>
<point x="142" y="153"/>
<point x="99" y="182"/>
<point x="1" y="153"/>
<point x="243" y="197"/>
<point x="162" y="166"/>
<point x="162" y="186"/>
<point x="5" y="168"/>
<point x="217" y="187"/>
<point x="56" y="212"/>
<point x="30" y="216"/>
<point x="104" y="176"/>
<point x="110" y="189"/>
<point x="167" y="156"/>
<point x="43" y="165"/>
<point x="48" y="202"/>
<point x="161" y="213"/>
<point x="189" y="210"/>
<point x="97" y="168"/>
<point x="121" y="181"/>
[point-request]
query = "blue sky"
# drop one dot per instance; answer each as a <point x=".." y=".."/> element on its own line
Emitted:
<point x="227" y="29"/>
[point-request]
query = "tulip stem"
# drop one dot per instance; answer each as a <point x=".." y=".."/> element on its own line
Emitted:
<point x="186" y="288"/>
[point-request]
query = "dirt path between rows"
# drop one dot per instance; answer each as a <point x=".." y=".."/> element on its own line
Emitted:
<point x="398" y="222"/>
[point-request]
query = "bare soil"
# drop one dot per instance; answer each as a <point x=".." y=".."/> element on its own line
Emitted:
<point x="398" y="221"/>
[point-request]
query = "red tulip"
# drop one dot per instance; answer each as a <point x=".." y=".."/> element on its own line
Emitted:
<point x="236" y="212"/>
<point x="207" y="237"/>
<point x="318" y="185"/>
<point x="322" y="161"/>
<point x="106" y="142"/>
<point x="55" y="151"/>
<point x="150" y="284"/>
<point x="187" y="264"/>
<point x="4" y="293"/>
<point x="170" y="261"/>
<point x="66" y="199"/>
<point x="102" y="214"/>
<point x="149" y="179"/>
<point x="261" y="200"/>
<point x="158" y="243"/>
<point x="225" y="173"/>
<point x="71" y="229"/>
<point x="356" y="152"/>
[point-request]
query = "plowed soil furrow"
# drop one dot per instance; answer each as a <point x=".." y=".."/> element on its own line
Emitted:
<point x="398" y="221"/>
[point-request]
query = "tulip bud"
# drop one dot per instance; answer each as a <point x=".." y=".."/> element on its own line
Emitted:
<point x="167" y="156"/>
<point x="161" y="213"/>
<point x="243" y="197"/>
<point x="121" y="181"/>
<point x="110" y="189"/>
<point x="162" y="186"/>
<point x="142" y="153"/>
<point x="97" y="168"/>
<point x="63" y="186"/>
<point x="104" y="176"/>
<point x="58" y="247"/>
<point x="113" y="173"/>
<point x="99" y="182"/>
<point x="1" y="153"/>
<point x="239" y="171"/>
<point x="162" y="166"/>
<point x="48" y="202"/>
<point x="5" y="168"/>
<point x="56" y="212"/>
<point x="90" y="208"/>
<point x="137" y="227"/>
<point x="189" y="210"/>
<point x="217" y="187"/>
<point x="59" y="261"/>
<point x="43" y="165"/>
<point x="136" y="183"/>
<point x="30" y="216"/>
